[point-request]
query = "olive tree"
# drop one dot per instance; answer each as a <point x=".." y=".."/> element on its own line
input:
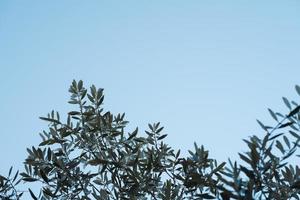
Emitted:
<point x="91" y="155"/>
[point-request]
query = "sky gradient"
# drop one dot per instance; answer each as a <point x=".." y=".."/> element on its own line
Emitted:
<point x="205" y="69"/>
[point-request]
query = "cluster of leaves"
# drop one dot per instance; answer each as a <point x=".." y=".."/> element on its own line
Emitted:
<point x="90" y="156"/>
<point x="8" y="186"/>
<point x="266" y="171"/>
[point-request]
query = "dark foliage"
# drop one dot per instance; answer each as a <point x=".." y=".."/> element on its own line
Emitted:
<point x="90" y="156"/>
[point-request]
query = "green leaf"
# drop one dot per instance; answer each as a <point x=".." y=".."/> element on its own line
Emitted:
<point x="279" y="146"/>
<point x="220" y="167"/>
<point x="159" y="130"/>
<point x="262" y="125"/>
<point x="275" y="136"/>
<point x="83" y="94"/>
<point x="93" y="91"/>
<point x="133" y="134"/>
<point x="49" y="154"/>
<point x="44" y="176"/>
<point x="74" y="84"/>
<point x="177" y="154"/>
<point x="245" y="158"/>
<point x="16" y="175"/>
<point x="297" y="87"/>
<point x="162" y="137"/>
<point x="287" y="142"/>
<point x="10" y="170"/>
<point x="151" y="127"/>
<point x="285" y="124"/>
<point x="295" y="135"/>
<point x="286" y="102"/>
<point x="80" y="84"/>
<point x="29" y="179"/>
<point x="73" y="101"/>
<point x="50" y="120"/>
<point x="32" y="194"/>
<point x="91" y="98"/>
<point x="96" y="162"/>
<point x="273" y="114"/>
<point x="293" y="112"/>
<point x="98" y="182"/>
<point x="44" y="143"/>
<point x="24" y="174"/>
<point x="74" y="113"/>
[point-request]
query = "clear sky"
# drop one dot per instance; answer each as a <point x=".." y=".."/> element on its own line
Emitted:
<point x="205" y="69"/>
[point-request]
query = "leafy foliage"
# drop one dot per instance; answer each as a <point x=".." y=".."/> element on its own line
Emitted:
<point x="91" y="156"/>
<point x="266" y="172"/>
<point x="8" y="186"/>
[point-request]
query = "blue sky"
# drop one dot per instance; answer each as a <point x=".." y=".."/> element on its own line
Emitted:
<point x="205" y="69"/>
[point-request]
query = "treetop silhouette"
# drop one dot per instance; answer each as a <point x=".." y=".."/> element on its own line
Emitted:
<point x="91" y="156"/>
